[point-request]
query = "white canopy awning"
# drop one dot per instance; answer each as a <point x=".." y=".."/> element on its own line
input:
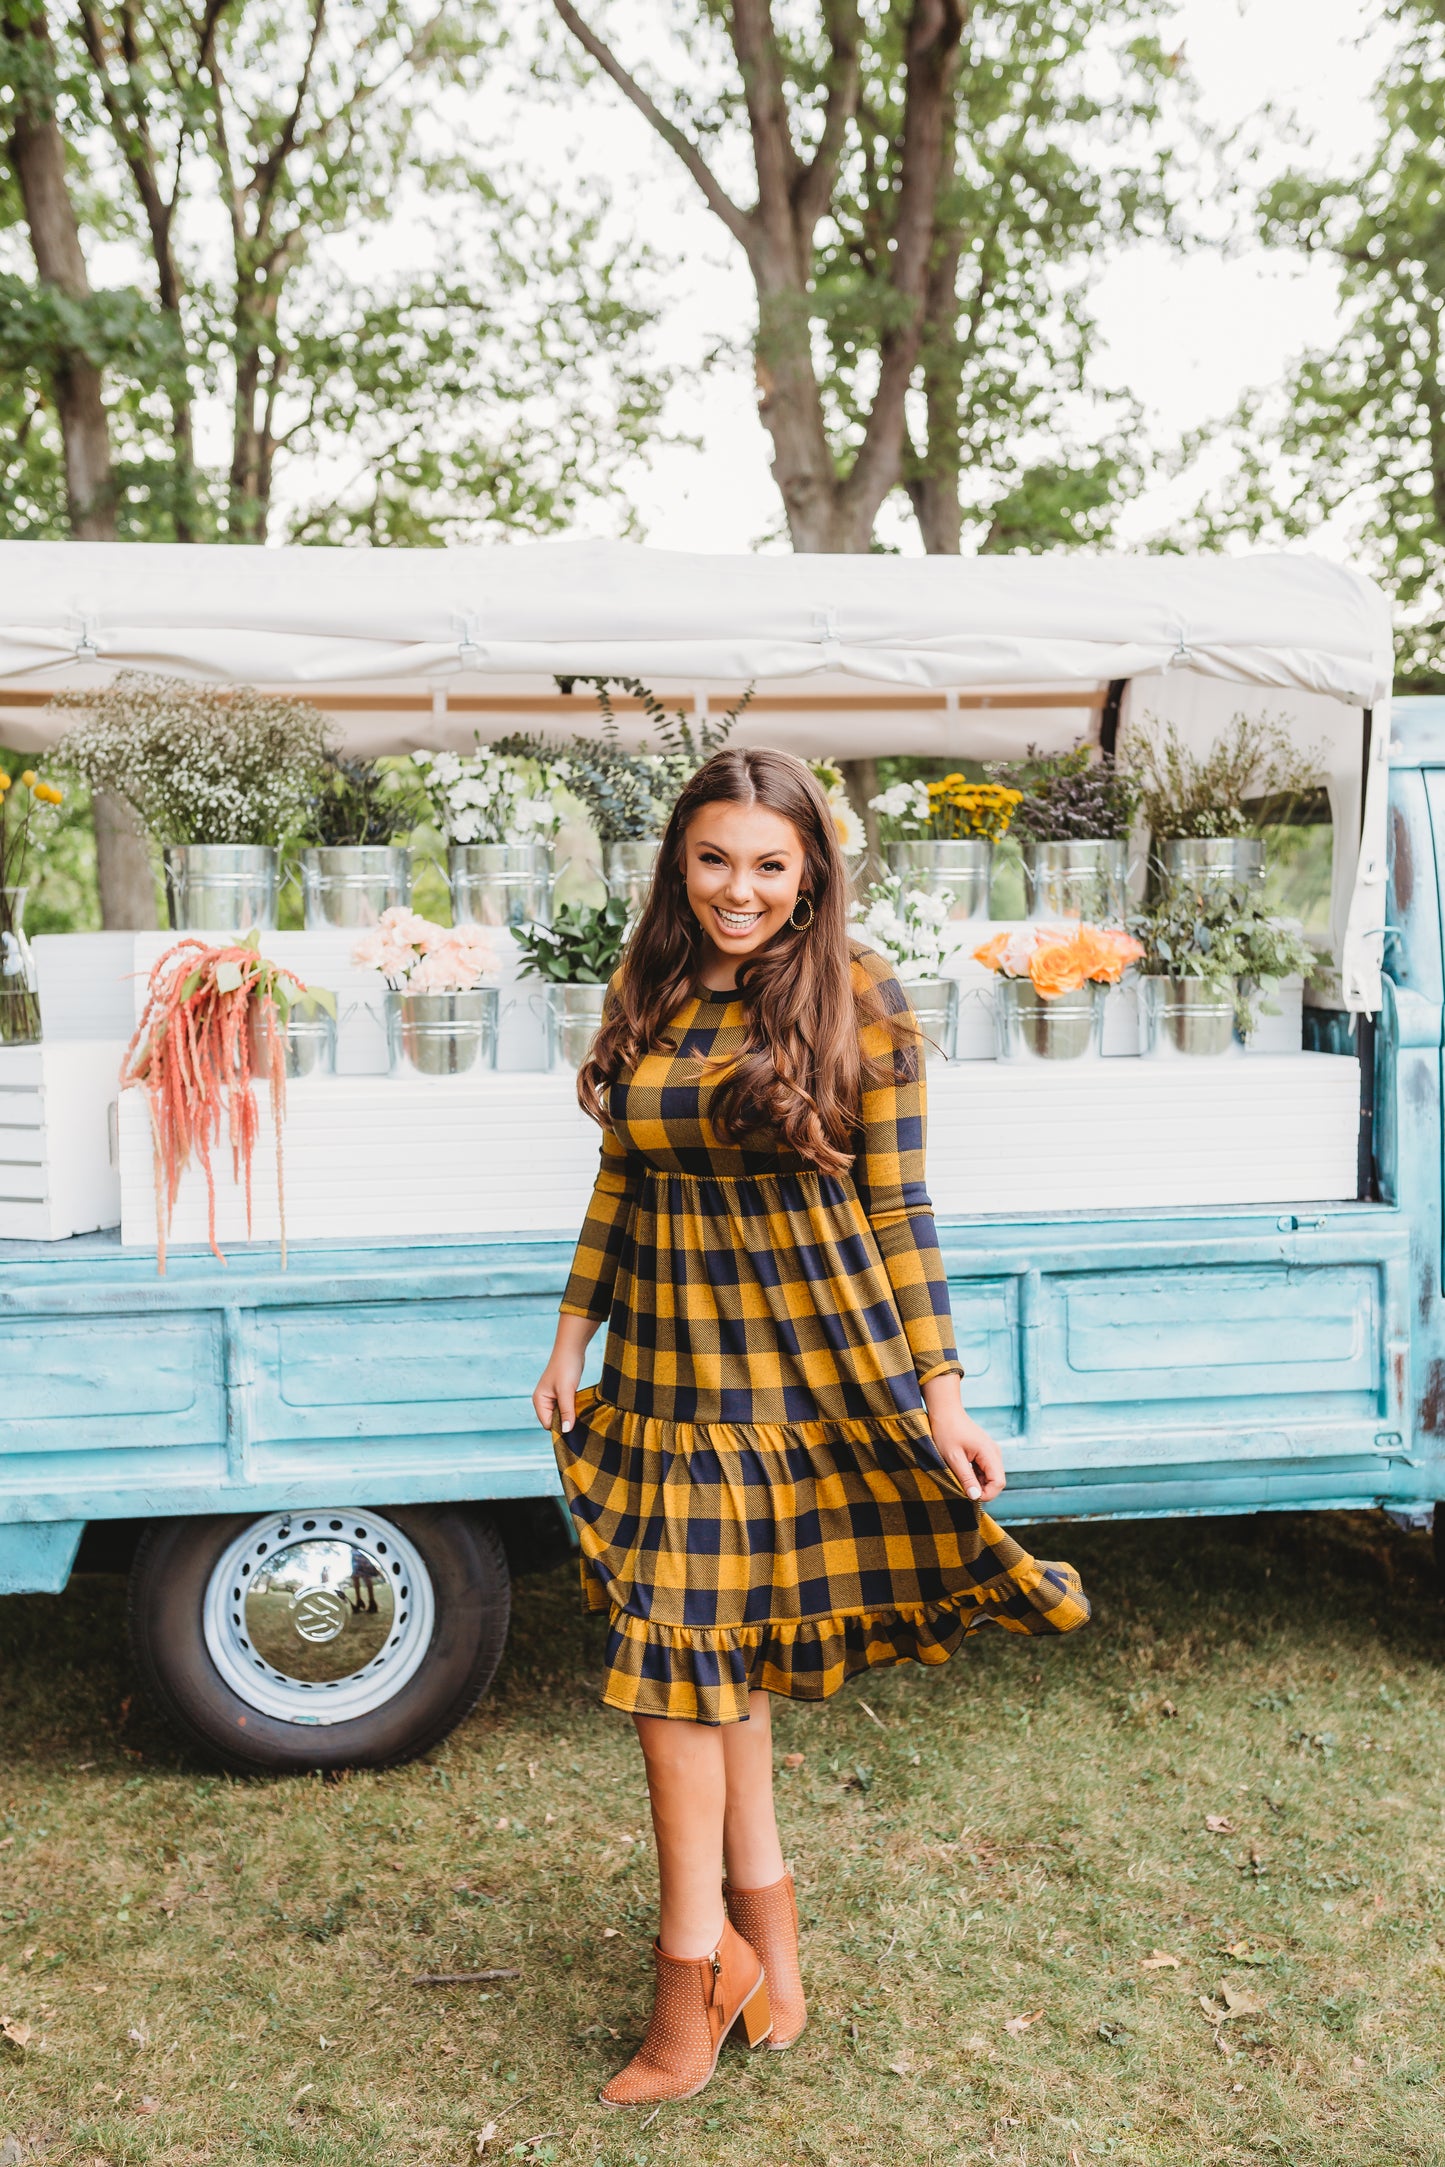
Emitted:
<point x="960" y="656"/>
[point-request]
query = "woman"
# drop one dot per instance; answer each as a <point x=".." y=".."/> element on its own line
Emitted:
<point x="776" y="1485"/>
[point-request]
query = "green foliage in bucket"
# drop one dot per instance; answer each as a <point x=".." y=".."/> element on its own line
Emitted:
<point x="358" y="802"/>
<point x="1068" y="797"/>
<point x="1253" y="773"/>
<point x="581" y="947"/>
<point x="1224" y="938"/>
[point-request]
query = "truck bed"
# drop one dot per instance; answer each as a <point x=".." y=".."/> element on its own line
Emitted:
<point x="1132" y="1363"/>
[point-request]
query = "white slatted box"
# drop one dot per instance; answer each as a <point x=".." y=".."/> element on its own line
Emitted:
<point x="371" y="1158"/>
<point x="56" y="1176"/>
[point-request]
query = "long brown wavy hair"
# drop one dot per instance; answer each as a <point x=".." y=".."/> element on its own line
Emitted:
<point x="801" y="1070"/>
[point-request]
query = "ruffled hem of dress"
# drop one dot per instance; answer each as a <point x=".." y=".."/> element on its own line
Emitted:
<point x="704" y="1675"/>
<point x="903" y="1426"/>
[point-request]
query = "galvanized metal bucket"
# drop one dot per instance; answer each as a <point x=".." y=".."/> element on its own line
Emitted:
<point x="308" y="1042"/>
<point x="352" y="884"/>
<point x="935" y="1004"/>
<point x="501" y="884"/>
<point x="221" y="887"/>
<point x="1215" y="861"/>
<point x="573" y="1014"/>
<point x="959" y="870"/>
<point x="1029" y="1028"/>
<point x="1185" y="1016"/>
<point x="442" y="1034"/>
<point x="627" y="869"/>
<point x="1077" y="879"/>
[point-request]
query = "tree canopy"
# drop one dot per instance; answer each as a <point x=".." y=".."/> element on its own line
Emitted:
<point x="330" y="315"/>
<point x="1355" y="436"/>
<point x="928" y="187"/>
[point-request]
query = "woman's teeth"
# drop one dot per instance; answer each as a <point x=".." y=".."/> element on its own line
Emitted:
<point x="738" y="921"/>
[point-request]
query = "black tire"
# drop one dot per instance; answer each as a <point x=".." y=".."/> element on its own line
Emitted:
<point x="471" y="1587"/>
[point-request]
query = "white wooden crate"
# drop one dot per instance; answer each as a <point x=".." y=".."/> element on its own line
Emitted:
<point x="391" y="1157"/>
<point x="56" y="1175"/>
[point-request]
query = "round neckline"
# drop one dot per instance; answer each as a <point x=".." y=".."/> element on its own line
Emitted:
<point x="715" y="993"/>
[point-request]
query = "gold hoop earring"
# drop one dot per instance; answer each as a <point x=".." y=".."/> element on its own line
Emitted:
<point x="801" y="925"/>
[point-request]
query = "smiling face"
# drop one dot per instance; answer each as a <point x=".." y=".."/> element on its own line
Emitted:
<point x="743" y="866"/>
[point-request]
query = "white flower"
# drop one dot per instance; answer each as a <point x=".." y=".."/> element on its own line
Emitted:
<point x="852" y="835"/>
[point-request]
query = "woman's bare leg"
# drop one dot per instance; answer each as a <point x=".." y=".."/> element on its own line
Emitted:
<point x="687" y="1786"/>
<point x="750" y="1827"/>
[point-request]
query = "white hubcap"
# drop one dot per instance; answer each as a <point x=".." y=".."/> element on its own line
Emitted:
<point x="318" y="1617"/>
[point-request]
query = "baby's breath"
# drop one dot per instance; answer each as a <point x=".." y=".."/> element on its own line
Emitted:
<point x="199" y="763"/>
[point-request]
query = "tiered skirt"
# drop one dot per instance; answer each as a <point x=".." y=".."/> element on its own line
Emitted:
<point x="787" y="1557"/>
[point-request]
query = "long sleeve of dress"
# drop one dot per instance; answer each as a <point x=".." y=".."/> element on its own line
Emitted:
<point x="889" y="1174"/>
<point x="588" y="1291"/>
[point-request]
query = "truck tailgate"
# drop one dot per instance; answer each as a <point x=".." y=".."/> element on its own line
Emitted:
<point x="1139" y="1364"/>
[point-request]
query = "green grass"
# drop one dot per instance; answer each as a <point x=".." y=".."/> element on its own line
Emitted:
<point x="221" y="1971"/>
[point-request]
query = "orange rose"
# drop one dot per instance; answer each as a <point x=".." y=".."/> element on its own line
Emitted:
<point x="992" y="952"/>
<point x="1105" y="954"/>
<point x="1057" y="967"/>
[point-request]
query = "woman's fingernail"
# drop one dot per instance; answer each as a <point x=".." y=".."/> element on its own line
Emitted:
<point x="974" y="1490"/>
<point x="567" y="1425"/>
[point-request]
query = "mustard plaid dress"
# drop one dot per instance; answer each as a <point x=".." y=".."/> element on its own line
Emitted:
<point x="755" y="1488"/>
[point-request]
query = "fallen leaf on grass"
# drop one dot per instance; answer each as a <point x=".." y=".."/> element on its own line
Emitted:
<point x="794" y="1760"/>
<point x="1160" y="1960"/>
<point x="975" y="2044"/>
<point x="1022" y="2022"/>
<point x="902" y="2067"/>
<point x="1167" y="1708"/>
<point x="610" y="1933"/>
<point x="148" y="2106"/>
<point x="18" y="2034"/>
<point x="484" y="2137"/>
<point x="1219" y="1824"/>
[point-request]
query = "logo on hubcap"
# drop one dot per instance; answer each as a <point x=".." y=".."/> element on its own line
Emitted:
<point x="318" y="1614"/>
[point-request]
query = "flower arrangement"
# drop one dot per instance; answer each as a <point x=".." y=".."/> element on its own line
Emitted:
<point x="360" y="802"/>
<point x="1252" y="772"/>
<point x="1224" y="937"/>
<point x="208" y="1013"/>
<point x="907" y="926"/>
<point x="492" y="795"/>
<point x="581" y="947"/>
<point x="198" y="763"/>
<point x="414" y="955"/>
<point x="953" y="810"/>
<point x="1070" y="796"/>
<point x="1059" y="959"/>
<point x="628" y="795"/>
<point x="852" y="835"/>
<point x="24" y="808"/>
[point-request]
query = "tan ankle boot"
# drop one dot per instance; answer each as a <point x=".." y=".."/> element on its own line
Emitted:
<point x="767" y="1919"/>
<point x="698" y="2001"/>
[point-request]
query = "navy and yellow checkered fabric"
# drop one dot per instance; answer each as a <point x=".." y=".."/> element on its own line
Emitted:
<point x="757" y="1495"/>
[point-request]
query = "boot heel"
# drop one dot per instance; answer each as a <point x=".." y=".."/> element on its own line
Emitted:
<point x="757" y="2016"/>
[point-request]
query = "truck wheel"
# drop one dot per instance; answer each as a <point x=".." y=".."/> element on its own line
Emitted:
<point x="320" y="1639"/>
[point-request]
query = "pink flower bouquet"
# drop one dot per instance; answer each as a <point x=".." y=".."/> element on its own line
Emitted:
<point x="415" y="956"/>
<point x="1061" y="958"/>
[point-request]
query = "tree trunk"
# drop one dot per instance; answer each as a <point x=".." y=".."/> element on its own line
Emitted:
<point x="860" y="778"/>
<point x="123" y="869"/>
<point x="37" y="154"/>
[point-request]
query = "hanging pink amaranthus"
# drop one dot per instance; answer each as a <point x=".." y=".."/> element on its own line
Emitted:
<point x="192" y="1055"/>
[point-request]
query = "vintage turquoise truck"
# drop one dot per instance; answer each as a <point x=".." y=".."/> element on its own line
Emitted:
<point x="321" y="1481"/>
